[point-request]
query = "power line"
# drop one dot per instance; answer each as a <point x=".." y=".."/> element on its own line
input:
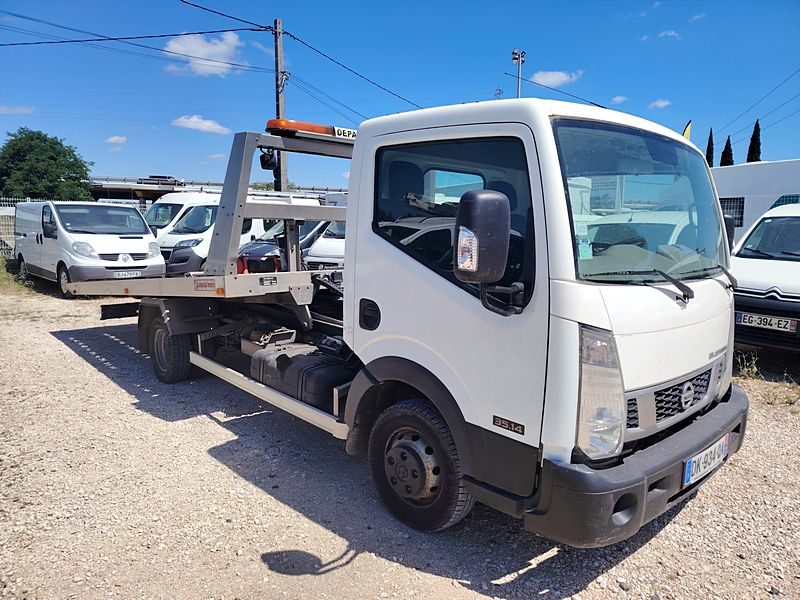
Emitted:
<point x="760" y="100"/>
<point x="138" y="45"/>
<point x="791" y="114"/>
<point x="766" y="115"/>
<point x="322" y="92"/>
<point x="305" y="90"/>
<point x="556" y="90"/>
<point x="310" y="47"/>
<point x="129" y="37"/>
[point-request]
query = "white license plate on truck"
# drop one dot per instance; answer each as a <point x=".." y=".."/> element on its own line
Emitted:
<point x="766" y="322"/>
<point x="702" y="464"/>
<point x="126" y="274"/>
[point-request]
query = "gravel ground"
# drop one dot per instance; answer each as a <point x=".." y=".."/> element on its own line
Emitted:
<point x="115" y="485"/>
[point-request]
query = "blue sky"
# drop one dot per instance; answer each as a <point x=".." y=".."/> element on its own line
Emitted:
<point x="667" y="61"/>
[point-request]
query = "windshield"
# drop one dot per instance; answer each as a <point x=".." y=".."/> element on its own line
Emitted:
<point x="88" y="218"/>
<point x="776" y="238"/>
<point x="197" y="220"/>
<point x="335" y="230"/>
<point x="275" y="228"/>
<point x="160" y="215"/>
<point x="639" y="202"/>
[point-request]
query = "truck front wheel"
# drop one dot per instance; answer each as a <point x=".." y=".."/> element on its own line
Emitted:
<point x="169" y="353"/>
<point x="415" y="467"/>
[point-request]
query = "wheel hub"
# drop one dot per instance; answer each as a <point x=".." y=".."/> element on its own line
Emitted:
<point x="412" y="467"/>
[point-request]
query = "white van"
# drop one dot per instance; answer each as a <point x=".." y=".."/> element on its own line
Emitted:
<point x="82" y="241"/>
<point x="165" y="212"/>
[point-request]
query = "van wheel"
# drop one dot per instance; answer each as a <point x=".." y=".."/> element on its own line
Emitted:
<point x="23" y="269"/>
<point x="416" y="468"/>
<point x="169" y="354"/>
<point x="63" y="280"/>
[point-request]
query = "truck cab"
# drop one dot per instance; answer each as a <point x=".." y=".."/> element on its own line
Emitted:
<point x="486" y="346"/>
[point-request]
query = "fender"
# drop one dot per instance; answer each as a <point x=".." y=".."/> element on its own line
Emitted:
<point x="181" y="315"/>
<point x="487" y="457"/>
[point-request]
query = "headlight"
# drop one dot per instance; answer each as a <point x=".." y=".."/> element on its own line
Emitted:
<point x="84" y="249"/>
<point x="153" y="250"/>
<point x="188" y="243"/>
<point x="602" y="412"/>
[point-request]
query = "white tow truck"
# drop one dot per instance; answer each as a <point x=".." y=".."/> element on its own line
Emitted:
<point x="503" y="358"/>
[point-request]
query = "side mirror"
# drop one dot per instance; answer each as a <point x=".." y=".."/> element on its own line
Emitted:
<point x="154" y="229"/>
<point x="730" y="227"/>
<point x="49" y="231"/>
<point x="482" y="231"/>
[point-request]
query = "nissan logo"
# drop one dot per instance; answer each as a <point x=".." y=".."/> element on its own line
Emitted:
<point x="687" y="394"/>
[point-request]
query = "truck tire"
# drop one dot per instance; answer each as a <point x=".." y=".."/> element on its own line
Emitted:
<point x="23" y="269"/>
<point x="415" y="467"/>
<point x="169" y="354"/>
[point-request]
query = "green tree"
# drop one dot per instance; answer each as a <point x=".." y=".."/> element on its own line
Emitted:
<point x="36" y="165"/>
<point x="269" y="186"/>
<point x="726" y="160"/>
<point x="710" y="148"/>
<point x="754" y="150"/>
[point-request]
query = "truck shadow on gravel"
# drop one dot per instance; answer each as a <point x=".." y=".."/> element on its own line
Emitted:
<point x="307" y="470"/>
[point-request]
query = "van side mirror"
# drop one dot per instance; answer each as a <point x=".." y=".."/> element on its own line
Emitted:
<point x="49" y="231"/>
<point x="482" y="231"/>
<point x="730" y="227"/>
<point x="154" y="230"/>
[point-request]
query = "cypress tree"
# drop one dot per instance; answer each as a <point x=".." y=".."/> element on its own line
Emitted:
<point x="710" y="148"/>
<point x="726" y="159"/>
<point x="754" y="150"/>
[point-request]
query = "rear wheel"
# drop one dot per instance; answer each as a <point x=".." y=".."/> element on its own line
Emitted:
<point x="416" y="468"/>
<point x="63" y="281"/>
<point x="23" y="269"/>
<point x="169" y="354"/>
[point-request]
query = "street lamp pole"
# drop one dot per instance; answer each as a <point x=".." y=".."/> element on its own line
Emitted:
<point x="518" y="58"/>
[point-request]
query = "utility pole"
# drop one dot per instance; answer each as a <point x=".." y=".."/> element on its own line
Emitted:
<point x="280" y="171"/>
<point x="518" y="58"/>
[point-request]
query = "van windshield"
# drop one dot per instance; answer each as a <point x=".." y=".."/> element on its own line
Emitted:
<point x="639" y="203"/>
<point x="197" y="220"/>
<point x="160" y="215"/>
<point x="774" y="238"/>
<point x="91" y="218"/>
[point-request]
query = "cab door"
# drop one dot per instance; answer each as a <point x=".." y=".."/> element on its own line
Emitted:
<point x="50" y="244"/>
<point x="401" y="269"/>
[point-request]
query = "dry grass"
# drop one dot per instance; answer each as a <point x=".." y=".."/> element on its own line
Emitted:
<point x="10" y="283"/>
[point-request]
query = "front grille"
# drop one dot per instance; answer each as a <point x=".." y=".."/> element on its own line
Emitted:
<point x="633" y="413"/>
<point x="113" y="257"/>
<point x="668" y="400"/>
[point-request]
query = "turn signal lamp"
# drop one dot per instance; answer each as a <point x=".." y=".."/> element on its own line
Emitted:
<point x="287" y="127"/>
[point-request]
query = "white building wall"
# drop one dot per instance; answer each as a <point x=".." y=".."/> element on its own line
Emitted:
<point x="759" y="183"/>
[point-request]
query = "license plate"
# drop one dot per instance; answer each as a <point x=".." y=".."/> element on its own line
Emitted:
<point x="766" y="322"/>
<point x="126" y="274"/>
<point x="702" y="464"/>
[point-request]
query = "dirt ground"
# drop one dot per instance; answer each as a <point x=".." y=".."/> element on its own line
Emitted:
<point x="115" y="485"/>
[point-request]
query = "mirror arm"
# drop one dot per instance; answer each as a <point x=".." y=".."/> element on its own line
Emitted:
<point x="505" y="310"/>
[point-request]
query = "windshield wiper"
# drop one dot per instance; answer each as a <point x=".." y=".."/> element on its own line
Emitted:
<point x="791" y="252"/>
<point x="685" y="290"/>
<point x="82" y="231"/>
<point x="733" y="281"/>
<point x="757" y="251"/>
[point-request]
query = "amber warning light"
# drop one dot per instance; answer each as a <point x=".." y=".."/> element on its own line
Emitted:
<point x="288" y="127"/>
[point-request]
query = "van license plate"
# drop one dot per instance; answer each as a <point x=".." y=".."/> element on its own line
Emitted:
<point x="126" y="274"/>
<point x="702" y="464"/>
<point x="766" y="322"/>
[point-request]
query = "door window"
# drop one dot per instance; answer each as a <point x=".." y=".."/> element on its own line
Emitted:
<point x="48" y="222"/>
<point x="419" y="187"/>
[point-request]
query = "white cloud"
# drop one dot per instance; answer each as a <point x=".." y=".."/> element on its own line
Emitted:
<point x="217" y="156"/>
<point x="116" y="149"/>
<point x="268" y="51"/>
<point x="5" y="109"/>
<point x="644" y="38"/>
<point x="198" y="123"/>
<point x="670" y="33"/>
<point x="117" y="139"/>
<point x="660" y="103"/>
<point x="346" y="175"/>
<point x="223" y="48"/>
<point x="556" y="78"/>
<point x="619" y="99"/>
<point x="697" y="17"/>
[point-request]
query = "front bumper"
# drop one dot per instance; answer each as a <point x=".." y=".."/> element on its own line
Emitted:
<point x="95" y="272"/>
<point x="184" y="260"/>
<point x="770" y="338"/>
<point x="585" y="507"/>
